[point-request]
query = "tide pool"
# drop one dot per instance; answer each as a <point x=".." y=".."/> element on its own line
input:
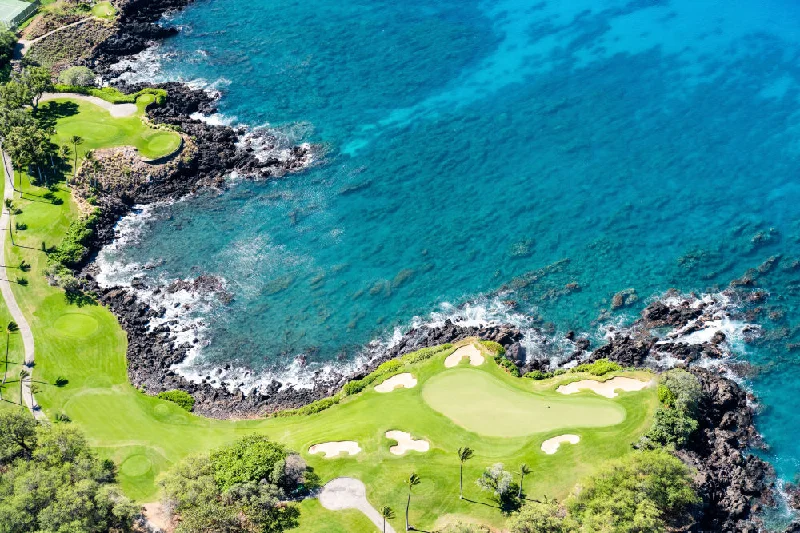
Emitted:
<point x="550" y="154"/>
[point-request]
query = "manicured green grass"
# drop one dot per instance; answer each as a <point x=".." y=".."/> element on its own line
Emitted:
<point x="100" y="130"/>
<point x="479" y="402"/>
<point x="104" y="10"/>
<point x="145" y="435"/>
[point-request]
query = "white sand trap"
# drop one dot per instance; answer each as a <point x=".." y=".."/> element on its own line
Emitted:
<point x="116" y="110"/>
<point x="550" y="446"/>
<point x="405" y="380"/>
<point x="406" y="443"/>
<point x="470" y="350"/>
<point x="605" y="388"/>
<point x="349" y="493"/>
<point x="334" y="449"/>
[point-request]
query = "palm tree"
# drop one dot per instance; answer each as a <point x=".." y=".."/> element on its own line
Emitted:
<point x="76" y="141"/>
<point x="22" y="375"/>
<point x="11" y="328"/>
<point x="412" y="481"/>
<point x="464" y="455"/>
<point x="523" y="471"/>
<point x="387" y="514"/>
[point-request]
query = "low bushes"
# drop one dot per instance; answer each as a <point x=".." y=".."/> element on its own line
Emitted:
<point x="313" y="407"/>
<point x="112" y="95"/>
<point x="495" y="347"/>
<point x="508" y="365"/>
<point x="675" y="420"/>
<point x="72" y="250"/>
<point x="424" y="353"/>
<point x="182" y="398"/>
<point x="601" y="367"/>
<point x="538" y="375"/>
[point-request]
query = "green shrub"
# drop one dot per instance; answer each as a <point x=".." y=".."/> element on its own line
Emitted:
<point x="508" y="365"/>
<point x="353" y="387"/>
<point x="424" y="353"/>
<point x="495" y="347"/>
<point x="182" y="398"/>
<point x="671" y="426"/>
<point x="313" y="407"/>
<point x="685" y="389"/>
<point x="72" y="250"/>
<point x="112" y="95"/>
<point x="79" y="75"/>
<point x="559" y="371"/>
<point x="601" y="367"/>
<point x="666" y="396"/>
<point x="251" y="459"/>
<point x="538" y="375"/>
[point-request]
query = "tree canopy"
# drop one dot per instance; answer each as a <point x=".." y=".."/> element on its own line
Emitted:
<point x="52" y="482"/>
<point x="243" y="487"/>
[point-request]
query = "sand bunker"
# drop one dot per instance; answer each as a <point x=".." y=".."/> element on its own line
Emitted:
<point x="470" y="350"/>
<point x="350" y="493"/>
<point x="405" y="443"/>
<point x="605" y="388"/>
<point x="334" y="449"/>
<point x="404" y="380"/>
<point x="550" y="446"/>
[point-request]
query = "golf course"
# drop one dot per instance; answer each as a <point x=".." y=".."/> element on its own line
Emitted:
<point x="474" y="403"/>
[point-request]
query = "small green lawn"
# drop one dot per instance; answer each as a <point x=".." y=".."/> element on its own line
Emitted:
<point x="104" y="10"/>
<point x="100" y="130"/>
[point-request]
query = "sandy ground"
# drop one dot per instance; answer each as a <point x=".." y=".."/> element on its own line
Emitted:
<point x="406" y="443"/>
<point x="550" y="446"/>
<point x="606" y="388"/>
<point x="349" y="493"/>
<point x="470" y="350"/>
<point x="116" y="110"/>
<point x="404" y="380"/>
<point x="333" y="449"/>
<point x="156" y="517"/>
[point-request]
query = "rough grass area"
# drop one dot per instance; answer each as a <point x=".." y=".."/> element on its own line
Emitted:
<point x="100" y="130"/>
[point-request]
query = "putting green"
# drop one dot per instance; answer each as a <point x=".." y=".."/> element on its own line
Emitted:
<point x="481" y="403"/>
<point x="104" y="10"/>
<point x="163" y="143"/>
<point x="75" y="325"/>
<point x="136" y="465"/>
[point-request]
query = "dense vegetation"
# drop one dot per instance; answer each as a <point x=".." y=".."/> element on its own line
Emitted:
<point x="180" y="397"/>
<point x="675" y="420"/>
<point x="243" y="487"/>
<point x="51" y="481"/>
<point x="645" y="491"/>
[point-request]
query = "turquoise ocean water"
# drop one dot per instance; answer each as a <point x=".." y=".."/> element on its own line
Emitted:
<point x="469" y="145"/>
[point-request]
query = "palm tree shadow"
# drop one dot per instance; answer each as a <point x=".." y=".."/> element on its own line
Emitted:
<point x="49" y="112"/>
<point x="481" y="503"/>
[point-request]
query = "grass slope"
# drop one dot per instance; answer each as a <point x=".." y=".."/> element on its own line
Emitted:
<point x="145" y="435"/>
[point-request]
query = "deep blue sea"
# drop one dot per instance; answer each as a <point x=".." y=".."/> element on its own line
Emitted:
<point x="473" y="147"/>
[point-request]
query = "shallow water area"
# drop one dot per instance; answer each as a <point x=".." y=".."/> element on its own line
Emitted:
<point x="550" y="154"/>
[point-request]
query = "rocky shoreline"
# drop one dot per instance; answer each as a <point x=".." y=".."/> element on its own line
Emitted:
<point x="735" y="484"/>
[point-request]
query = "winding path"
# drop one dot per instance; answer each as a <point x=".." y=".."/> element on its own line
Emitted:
<point x="20" y="51"/>
<point x="349" y="493"/>
<point x="8" y="295"/>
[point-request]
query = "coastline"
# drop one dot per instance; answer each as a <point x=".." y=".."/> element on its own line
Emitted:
<point x="734" y="485"/>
